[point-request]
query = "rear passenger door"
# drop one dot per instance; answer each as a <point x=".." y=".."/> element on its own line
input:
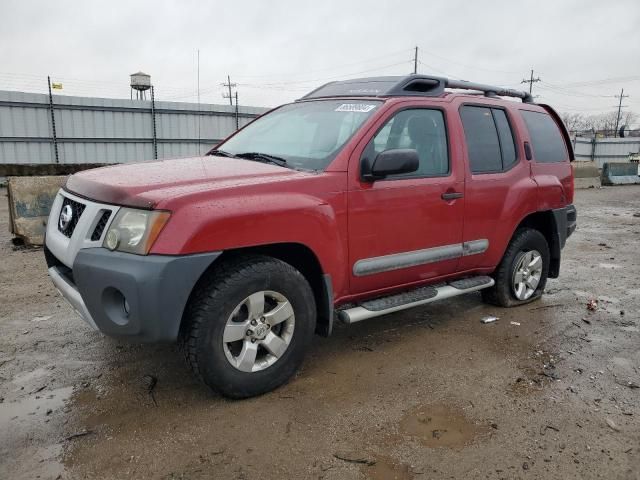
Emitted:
<point x="498" y="183"/>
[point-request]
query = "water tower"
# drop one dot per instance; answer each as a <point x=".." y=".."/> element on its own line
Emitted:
<point x="140" y="82"/>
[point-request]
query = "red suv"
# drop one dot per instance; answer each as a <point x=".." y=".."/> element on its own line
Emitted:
<point x="363" y="198"/>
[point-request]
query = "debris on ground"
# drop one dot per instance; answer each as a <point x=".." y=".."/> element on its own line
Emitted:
<point x="517" y="324"/>
<point x="543" y="307"/>
<point x="489" y="319"/>
<point x="612" y="425"/>
<point x="150" y="381"/>
<point x="592" y="305"/>
<point x="629" y="384"/>
<point x="355" y="457"/>
<point x="79" y="434"/>
<point x="544" y="428"/>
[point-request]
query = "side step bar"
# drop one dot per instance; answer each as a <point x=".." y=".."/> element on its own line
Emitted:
<point x="413" y="298"/>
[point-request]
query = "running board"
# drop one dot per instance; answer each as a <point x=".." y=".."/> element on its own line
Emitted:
<point x="413" y="298"/>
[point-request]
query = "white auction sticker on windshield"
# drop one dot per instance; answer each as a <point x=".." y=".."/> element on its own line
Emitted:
<point x="355" y="107"/>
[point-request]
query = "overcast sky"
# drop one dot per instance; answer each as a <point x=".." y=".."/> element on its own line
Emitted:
<point x="583" y="51"/>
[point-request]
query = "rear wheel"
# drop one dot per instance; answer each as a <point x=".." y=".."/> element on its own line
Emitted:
<point x="248" y="326"/>
<point x="522" y="274"/>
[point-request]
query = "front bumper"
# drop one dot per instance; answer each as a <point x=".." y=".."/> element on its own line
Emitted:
<point x="141" y="298"/>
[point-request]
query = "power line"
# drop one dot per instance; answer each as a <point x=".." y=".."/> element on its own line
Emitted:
<point x="587" y="83"/>
<point x="466" y="65"/>
<point x="572" y="93"/>
<point x="334" y="67"/>
<point x="333" y="77"/>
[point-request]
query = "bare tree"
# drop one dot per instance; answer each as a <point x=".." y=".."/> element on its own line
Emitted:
<point x="604" y="123"/>
<point x="574" y="122"/>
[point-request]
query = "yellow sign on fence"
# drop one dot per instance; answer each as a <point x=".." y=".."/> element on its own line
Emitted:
<point x="56" y="86"/>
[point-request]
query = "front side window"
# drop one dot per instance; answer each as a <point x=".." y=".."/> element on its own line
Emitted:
<point x="420" y="129"/>
<point x="307" y="135"/>
<point x="489" y="139"/>
<point x="548" y="144"/>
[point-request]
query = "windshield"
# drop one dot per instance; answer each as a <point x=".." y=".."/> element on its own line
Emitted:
<point x="307" y="135"/>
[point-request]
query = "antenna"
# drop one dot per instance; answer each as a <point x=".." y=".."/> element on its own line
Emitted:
<point x="198" y="85"/>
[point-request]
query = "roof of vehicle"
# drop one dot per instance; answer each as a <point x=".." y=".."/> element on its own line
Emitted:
<point x="410" y="85"/>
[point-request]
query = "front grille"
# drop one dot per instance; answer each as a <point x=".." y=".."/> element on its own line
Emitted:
<point x="76" y="211"/>
<point x="97" y="232"/>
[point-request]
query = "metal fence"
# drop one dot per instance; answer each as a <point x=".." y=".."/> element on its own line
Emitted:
<point x="104" y="130"/>
<point x="601" y="150"/>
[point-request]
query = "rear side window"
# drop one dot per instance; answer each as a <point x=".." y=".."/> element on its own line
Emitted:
<point x="489" y="139"/>
<point x="546" y="139"/>
<point x="507" y="144"/>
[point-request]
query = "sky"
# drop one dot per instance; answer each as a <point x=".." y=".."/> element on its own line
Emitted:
<point x="584" y="52"/>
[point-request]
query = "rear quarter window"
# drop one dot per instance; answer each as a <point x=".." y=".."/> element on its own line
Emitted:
<point x="546" y="139"/>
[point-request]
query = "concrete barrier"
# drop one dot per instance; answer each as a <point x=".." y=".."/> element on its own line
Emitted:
<point x="41" y="169"/>
<point x="620" y="174"/>
<point x="30" y="200"/>
<point x="586" y="175"/>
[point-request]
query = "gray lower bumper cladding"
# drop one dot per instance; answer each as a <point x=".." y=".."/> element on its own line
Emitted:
<point x="135" y="297"/>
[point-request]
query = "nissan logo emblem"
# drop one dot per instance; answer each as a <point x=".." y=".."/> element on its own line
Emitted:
<point x="66" y="215"/>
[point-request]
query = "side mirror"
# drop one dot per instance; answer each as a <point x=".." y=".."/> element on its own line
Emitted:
<point x="391" y="162"/>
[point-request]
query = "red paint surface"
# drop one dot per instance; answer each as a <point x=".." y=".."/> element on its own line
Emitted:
<point x="224" y="203"/>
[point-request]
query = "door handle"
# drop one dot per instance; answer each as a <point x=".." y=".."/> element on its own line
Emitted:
<point x="452" y="195"/>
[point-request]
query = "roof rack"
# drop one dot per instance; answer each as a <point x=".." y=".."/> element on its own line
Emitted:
<point x="411" y="85"/>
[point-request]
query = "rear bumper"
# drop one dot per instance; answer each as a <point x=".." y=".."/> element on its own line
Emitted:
<point x="566" y="222"/>
<point x="141" y="298"/>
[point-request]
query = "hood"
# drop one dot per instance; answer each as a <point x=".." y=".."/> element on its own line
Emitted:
<point x="148" y="183"/>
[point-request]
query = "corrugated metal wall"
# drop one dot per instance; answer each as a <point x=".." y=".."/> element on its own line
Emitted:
<point x="103" y="130"/>
<point x="603" y="150"/>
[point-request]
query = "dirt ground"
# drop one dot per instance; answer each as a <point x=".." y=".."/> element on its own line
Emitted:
<point x="550" y="390"/>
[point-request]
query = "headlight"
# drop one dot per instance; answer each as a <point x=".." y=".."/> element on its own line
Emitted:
<point x="134" y="231"/>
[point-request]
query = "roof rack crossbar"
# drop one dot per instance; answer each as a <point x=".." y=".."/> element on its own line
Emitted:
<point x="489" y="90"/>
<point x="411" y="85"/>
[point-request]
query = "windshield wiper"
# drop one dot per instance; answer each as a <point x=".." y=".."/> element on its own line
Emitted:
<point x="263" y="157"/>
<point x="221" y="153"/>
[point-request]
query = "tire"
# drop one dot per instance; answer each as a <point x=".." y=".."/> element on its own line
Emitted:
<point x="525" y="246"/>
<point x="219" y="339"/>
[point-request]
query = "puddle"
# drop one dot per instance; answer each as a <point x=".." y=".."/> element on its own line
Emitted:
<point x="32" y="408"/>
<point x="438" y="426"/>
<point x="387" y="469"/>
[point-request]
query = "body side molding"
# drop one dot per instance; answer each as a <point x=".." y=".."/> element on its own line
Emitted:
<point x="396" y="261"/>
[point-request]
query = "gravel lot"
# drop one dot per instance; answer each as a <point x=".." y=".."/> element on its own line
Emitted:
<point x="548" y="391"/>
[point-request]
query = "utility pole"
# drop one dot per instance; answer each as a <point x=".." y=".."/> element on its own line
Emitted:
<point x="54" y="137"/>
<point x="153" y="123"/>
<point x="237" y="119"/>
<point x="229" y="85"/>
<point x="415" y="61"/>
<point x="531" y="81"/>
<point x="620" y="106"/>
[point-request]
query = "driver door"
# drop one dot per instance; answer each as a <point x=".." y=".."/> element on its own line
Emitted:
<point x="406" y="228"/>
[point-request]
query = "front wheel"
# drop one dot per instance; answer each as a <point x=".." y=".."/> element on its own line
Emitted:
<point x="522" y="274"/>
<point x="248" y="326"/>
